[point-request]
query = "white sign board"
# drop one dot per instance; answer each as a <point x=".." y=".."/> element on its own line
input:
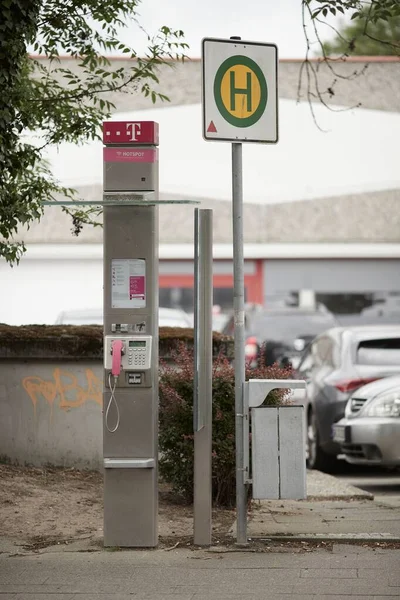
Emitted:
<point x="128" y="283"/>
<point x="239" y="91"/>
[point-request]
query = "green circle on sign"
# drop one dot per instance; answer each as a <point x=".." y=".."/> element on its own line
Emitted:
<point x="234" y="61"/>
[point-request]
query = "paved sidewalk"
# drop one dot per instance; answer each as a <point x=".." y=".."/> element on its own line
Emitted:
<point x="344" y="572"/>
<point x="358" y="520"/>
<point x="334" y="510"/>
<point x="321" y="486"/>
<point x="281" y="569"/>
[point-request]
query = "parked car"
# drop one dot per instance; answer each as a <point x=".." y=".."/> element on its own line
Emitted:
<point x="219" y="318"/>
<point x="390" y="307"/>
<point x="89" y="316"/>
<point x="369" y="434"/>
<point x="337" y="363"/>
<point x="167" y="317"/>
<point x="173" y="317"/>
<point x="280" y="333"/>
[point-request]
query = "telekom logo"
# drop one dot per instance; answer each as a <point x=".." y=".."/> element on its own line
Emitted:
<point x="134" y="130"/>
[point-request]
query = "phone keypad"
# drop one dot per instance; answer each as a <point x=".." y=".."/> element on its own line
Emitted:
<point x="137" y="357"/>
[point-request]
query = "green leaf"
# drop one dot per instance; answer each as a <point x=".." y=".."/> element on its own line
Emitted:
<point x="65" y="105"/>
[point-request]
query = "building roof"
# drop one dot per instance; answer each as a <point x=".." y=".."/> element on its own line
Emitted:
<point x="340" y="185"/>
<point x="377" y="88"/>
<point x="360" y="218"/>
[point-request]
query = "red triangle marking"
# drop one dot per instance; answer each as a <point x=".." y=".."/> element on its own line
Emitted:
<point x="211" y="128"/>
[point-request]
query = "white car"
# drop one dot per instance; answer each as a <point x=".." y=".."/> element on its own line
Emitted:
<point x="369" y="434"/>
<point x="167" y="317"/>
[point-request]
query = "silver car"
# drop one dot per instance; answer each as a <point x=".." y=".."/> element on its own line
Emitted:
<point x="336" y="364"/>
<point x="370" y="432"/>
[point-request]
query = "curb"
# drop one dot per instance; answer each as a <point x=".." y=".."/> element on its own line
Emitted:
<point x="330" y="537"/>
<point x="338" y="497"/>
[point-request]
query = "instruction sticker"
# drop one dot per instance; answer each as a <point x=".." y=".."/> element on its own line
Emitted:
<point x="128" y="283"/>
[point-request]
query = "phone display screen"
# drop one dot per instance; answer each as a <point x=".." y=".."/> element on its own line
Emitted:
<point x="137" y="344"/>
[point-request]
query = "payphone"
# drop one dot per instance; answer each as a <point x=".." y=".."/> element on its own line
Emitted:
<point x="132" y="352"/>
<point x="127" y="361"/>
<point x="130" y="393"/>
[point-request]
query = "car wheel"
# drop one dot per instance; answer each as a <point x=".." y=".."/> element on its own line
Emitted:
<point x="316" y="457"/>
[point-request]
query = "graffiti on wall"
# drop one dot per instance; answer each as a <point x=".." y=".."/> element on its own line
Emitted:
<point x="64" y="389"/>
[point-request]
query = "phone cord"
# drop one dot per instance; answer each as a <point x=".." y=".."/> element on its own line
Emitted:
<point x="112" y="399"/>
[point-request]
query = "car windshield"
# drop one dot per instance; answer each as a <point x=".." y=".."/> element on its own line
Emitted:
<point x="287" y="327"/>
<point x="379" y="352"/>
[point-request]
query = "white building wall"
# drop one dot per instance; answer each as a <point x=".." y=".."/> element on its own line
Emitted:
<point x="37" y="290"/>
<point x="331" y="276"/>
<point x="51" y="278"/>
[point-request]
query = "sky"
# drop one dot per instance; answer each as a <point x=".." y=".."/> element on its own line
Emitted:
<point x="274" y="21"/>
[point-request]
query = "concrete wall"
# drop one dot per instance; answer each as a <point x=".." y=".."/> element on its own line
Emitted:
<point x="51" y="391"/>
<point x="51" y="413"/>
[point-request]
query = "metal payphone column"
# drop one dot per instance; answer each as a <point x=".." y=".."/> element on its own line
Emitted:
<point x="130" y="398"/>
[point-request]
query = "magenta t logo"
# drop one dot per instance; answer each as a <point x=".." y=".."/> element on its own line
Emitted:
<point x="134" y="129"/>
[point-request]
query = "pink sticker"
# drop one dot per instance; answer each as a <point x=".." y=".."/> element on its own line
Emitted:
<point x="137" y="287"/>
<point x="142" y="155"/>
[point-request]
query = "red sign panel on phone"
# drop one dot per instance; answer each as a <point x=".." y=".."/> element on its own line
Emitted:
<point x="130" y="132"/>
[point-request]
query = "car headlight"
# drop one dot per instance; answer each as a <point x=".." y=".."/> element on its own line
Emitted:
<point x="348" y="411"/>
<point x="387" y="405"/>
<point x="299" y="344"/>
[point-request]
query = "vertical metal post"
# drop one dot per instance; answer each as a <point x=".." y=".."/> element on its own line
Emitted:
<point x="196" y="303"/>
<point x="203" y="432"/>
<point x="238" y="307"/>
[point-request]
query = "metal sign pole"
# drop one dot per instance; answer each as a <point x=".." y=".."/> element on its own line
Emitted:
<point x="203" y="410"/>
<point x="240" y="104"/>
<point x="196" y="304"/>
<point x="238" y="307"/>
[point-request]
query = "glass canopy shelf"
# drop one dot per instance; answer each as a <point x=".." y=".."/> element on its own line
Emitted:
<point x="116" y="199"/>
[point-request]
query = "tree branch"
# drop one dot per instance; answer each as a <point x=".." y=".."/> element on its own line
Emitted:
<point x="312" y="71"/>
<point x="384" y="42"/>
<point x="84" y="94"/>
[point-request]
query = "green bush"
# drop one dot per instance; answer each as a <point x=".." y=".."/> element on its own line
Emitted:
<point x="176" y="423"/>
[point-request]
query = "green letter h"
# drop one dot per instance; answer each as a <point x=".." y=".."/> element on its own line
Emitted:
<point x="246" y="91"/>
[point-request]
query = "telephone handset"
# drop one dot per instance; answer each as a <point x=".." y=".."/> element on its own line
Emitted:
<point x="133" y="352"/>
<point x="124" y="353"/>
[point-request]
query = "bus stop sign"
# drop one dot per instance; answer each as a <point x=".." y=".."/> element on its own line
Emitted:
<point x="239" y="91"/>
